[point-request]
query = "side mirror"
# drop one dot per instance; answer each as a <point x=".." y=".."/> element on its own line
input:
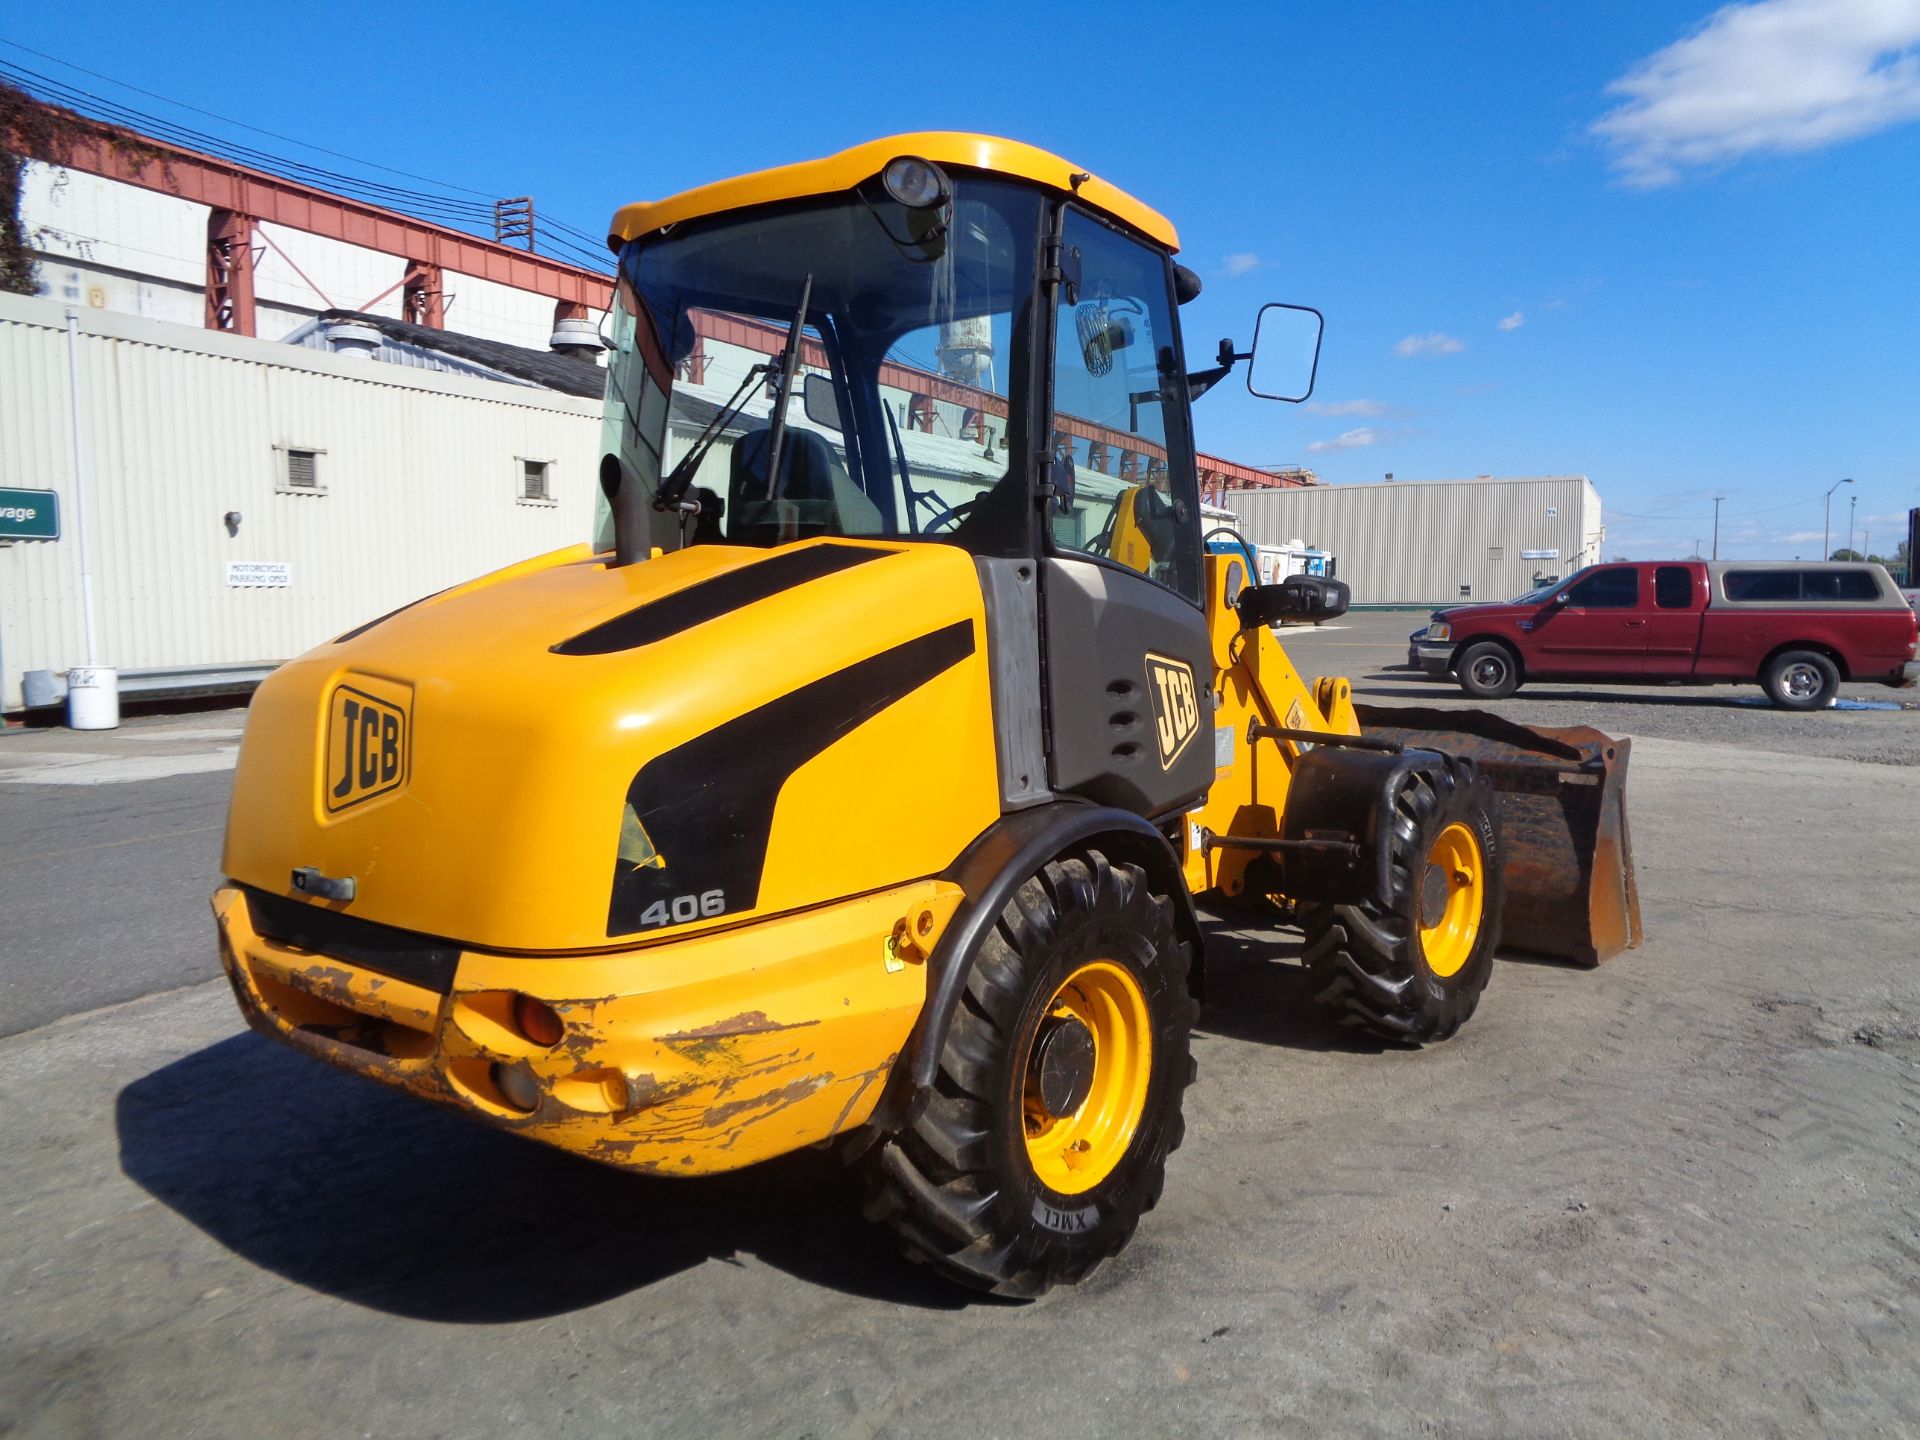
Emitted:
<point x="1286" y="352"/>
<point x="1560" y="599"/>
<point x="819" y="401"/>
<point x="1298" y="597"/>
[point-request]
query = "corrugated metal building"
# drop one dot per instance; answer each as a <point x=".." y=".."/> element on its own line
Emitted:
<point x="1435" y="542"/>
<point x="359" y="486"/>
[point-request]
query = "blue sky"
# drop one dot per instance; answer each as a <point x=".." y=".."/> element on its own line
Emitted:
<point x="1674" y="248"/>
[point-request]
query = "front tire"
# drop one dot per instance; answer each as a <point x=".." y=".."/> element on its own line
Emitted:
<point x="1801" y="680"/>
<point x="1412" y="970"/>
<point x="1487" y="670"/>
<point x="1058" y="1095"/>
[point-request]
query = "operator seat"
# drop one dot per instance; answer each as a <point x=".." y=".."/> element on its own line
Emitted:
<point x="803" y="505"/>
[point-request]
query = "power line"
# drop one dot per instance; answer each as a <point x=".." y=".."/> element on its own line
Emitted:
<point x="444" y="208"/>
<point x="1725" y="515"/>
<point x="228" y="119"/>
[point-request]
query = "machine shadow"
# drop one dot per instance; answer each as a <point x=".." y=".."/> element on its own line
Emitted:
<point x="1258" y="991"/>
<point x="373" y="1197"/>
<point x="1401" y="685"/>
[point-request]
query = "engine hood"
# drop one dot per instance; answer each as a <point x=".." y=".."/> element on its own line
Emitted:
<point x="568" y="755"/>
<point x="1457" y="615"/>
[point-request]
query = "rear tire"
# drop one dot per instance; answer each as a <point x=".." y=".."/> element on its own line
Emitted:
<point x="1487" y="670"/>
<point x="1078" y="1000"/>
<point x="1412" y="970"/>
<point x="1801" y="680"/>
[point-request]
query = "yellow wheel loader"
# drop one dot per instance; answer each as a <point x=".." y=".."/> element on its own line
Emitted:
<point x="855" y="783"/>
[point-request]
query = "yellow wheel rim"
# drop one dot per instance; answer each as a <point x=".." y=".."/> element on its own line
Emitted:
<point x="1452" y="892"/>
<point x="1075" y="1150"/>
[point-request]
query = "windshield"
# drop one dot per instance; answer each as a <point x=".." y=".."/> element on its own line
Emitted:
<point x="908" y="389"/>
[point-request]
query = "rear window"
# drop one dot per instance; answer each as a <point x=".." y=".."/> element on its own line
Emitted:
<point x="1830" y="587"/>
<point x="1673" y="587"/>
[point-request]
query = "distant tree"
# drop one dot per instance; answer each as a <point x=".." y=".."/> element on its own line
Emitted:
<point x="1843" y="553"/>
<point x="1618" y="558"/>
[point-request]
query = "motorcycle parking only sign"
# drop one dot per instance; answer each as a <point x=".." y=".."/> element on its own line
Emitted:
<point x="29" y="515"/>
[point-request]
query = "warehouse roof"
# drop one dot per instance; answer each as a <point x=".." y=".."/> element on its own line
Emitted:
<point x="424" y="347"/>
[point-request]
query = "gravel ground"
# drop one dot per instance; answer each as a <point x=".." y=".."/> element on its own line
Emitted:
<point x="1371" y="649"/>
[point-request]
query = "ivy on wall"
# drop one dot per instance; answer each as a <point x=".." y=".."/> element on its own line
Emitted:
<point x="33" y="130"/>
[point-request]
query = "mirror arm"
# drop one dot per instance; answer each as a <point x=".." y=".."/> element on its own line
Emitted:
<point x="1201" y="381"/>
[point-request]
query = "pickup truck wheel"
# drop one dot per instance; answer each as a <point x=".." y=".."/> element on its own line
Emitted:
<point x="1412" y="969"/>
<point x="1801" y="680"/>
<point x="1488" y="671"/>
<point x="1058" y="1096"/>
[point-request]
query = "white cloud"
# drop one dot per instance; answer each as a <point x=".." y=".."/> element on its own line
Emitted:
<point x="1345" y="407"/>
<point x="1797" y="537"/>
<point x="1776" y="76"/>
<point x="1351" y="440"/>
<point x="1514" y="321"/>
<point x="1237" y="265"/>
<point x="1432" y="343"/>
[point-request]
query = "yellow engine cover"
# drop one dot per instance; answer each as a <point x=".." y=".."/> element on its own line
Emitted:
<point x="569" y="755"/>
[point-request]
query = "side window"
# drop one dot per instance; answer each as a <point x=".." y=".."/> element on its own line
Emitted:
<point x="1762" y="584"/>
<point x="1607" y="590"/>
<point x="1119" y="416"/>
<point x="1673" y="587"/>
<point x="1838" y="586"/>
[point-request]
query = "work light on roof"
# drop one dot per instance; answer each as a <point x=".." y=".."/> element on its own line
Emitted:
<point x="917" y="184"/>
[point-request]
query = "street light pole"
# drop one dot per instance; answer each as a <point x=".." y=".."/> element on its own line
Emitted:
<point x="1826" y="532"/>
<point x="1716" y="526"/>
<point x="1852" y="500"/>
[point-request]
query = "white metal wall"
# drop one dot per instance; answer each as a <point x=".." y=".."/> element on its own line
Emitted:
<point x="1435" y="542"/>
<point x="108" y="245"/>
<point x="180" y="425"/>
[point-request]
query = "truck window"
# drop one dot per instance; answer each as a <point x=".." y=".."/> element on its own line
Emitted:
<point x="1761" y="584"/>
<point x="1607" y="590"/>
<point x="1673" y="587"/>
<point x="1838" y="586"/>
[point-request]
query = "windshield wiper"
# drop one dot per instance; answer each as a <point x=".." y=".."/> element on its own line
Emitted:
<point x="673" y="490"/>
<point x="796" y="342"/>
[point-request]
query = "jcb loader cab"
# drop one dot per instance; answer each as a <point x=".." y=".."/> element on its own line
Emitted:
<point x="853" y="785"/>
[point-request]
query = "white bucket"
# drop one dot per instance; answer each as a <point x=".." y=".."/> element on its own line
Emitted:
<point x="93" y="698"/>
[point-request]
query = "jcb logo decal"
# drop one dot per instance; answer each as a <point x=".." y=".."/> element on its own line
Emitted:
<point x="366" y="747"/>
<point x="1176" y="705"/>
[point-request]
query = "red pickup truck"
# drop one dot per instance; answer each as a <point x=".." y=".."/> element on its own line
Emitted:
<point x="1795" y="629"/>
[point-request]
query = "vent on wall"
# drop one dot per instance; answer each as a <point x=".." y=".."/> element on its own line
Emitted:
<point x="300" y="470"/>
<point x="534" y="477"/>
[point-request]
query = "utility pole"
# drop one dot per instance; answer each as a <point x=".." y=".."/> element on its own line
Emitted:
<point x="1852" y="500"/>
<point x="1826" y="531"/>
<point x="513" y="220"/>
<point x="1716" y="527"/>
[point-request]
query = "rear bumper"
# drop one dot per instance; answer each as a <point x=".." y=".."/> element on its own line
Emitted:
<point x="684" y="1058"/>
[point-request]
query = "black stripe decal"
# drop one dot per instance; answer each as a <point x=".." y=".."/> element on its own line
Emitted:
<point x="707" y="805"/>
<point x="710" y="599"/>
<point x="382" y="619"/>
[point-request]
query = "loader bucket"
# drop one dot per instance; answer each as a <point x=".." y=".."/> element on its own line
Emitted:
<point x="1563" y="807"/>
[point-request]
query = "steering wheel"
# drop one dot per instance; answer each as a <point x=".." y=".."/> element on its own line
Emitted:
<point x="949" y="514"/>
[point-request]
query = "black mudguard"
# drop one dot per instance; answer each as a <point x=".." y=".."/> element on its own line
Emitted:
<point x="990" y="871"/>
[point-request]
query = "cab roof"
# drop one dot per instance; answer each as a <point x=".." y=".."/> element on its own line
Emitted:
<point x="835" y="173"/>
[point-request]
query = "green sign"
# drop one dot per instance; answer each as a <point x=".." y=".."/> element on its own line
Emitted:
<point x="29" y="515"/>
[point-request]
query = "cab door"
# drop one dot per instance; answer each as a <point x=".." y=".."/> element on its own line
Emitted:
<point x="1596" y="626"/>
<point x="1128" y="666"/>
<point x="1673" y="624"/>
